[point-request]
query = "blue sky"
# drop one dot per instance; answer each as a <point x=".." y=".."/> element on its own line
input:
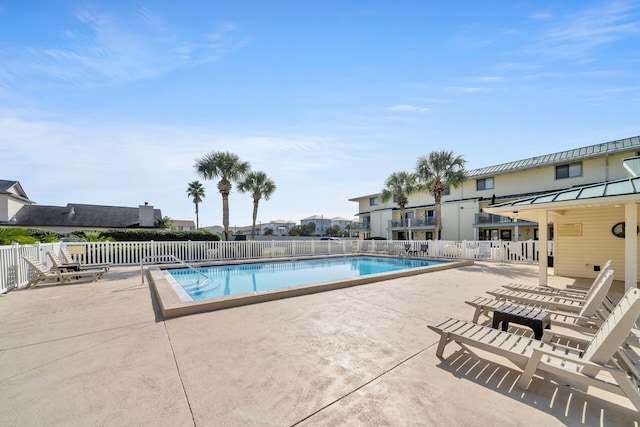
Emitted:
<point x="112" y="102"/>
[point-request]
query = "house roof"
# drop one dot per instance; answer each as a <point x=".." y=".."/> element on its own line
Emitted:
<point x="14" y="189"/>
<point x="603" y="194"/>
<point x="560" y="157"/>
<point x="79" y="215"/>
<point x="338" y="218"/>
<point x="316" y="217"/>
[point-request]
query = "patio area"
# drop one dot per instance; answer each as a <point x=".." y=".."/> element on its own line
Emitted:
<point x="100" y="354"/>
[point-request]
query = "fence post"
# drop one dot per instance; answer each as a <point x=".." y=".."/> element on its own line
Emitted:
<point x="16" y="265"/>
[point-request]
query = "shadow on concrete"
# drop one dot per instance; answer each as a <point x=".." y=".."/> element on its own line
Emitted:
<point x="549" y="394"/>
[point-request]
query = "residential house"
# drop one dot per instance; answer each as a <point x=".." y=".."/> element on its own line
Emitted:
<point x="17" y="210"/>
<point x="279" y="227"/>
<point x="321" y="223"/>
<point x="180" y="224"/>
<point x="464" y="214"/>
<point x="343" y="223"/>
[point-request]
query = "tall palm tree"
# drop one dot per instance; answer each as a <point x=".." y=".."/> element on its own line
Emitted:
<point x="437" y="172"/>
<point x="400" y="185"/>
<point x="196" y="191"/>
<point x="261" y="187"/>
<point x="229" y="168"/>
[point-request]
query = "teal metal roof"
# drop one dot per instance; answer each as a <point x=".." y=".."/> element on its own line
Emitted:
<point x="561" y="157"/>
<point x="607" y="189"/>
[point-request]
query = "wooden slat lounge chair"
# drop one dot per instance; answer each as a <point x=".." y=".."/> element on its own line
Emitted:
<point x="43" y="274"/>
<point x="547" y="290"/>
<point x="68" y="259"/>
<point x="562" y="302"/>
<point x="73" y="266"/>
<point x="590" y="312"/>
<point x="594" y="365"/>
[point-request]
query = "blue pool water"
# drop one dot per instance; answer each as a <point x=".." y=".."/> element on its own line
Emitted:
<point x="215" y="281"/>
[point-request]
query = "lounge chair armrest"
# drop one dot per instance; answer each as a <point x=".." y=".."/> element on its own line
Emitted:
<point x="569" y="298"/>
<point x="577" y="293"/>
<point x="598" y="322"/>
<point x="548" y="335"/>
<point x="598" y="366"/>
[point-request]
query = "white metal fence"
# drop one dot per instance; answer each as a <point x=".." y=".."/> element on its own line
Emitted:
<point x="15" y="273"/>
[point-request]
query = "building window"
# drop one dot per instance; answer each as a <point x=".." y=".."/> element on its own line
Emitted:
<point x="484" y="184"/>
<point x="569" y="171"/>
<point x="447" y="191"/>
<point x="373" y="201"/>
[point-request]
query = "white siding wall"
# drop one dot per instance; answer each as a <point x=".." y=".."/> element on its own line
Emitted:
<point x="576" y="256"/>
<point x="543" y="178"/>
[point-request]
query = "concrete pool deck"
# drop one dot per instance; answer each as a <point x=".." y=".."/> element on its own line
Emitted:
<point x="100" y="354"/>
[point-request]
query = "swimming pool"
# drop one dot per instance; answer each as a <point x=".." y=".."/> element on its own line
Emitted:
<point x="174" y="301"/>
<point x="224" y="280"/>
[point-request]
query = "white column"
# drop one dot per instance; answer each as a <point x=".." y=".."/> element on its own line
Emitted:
<point x="543" y="227"/>
<point x="630" y="246"/>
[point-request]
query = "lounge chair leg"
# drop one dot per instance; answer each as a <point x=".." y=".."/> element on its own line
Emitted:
<point x="529" y="370"/>
<point x="628" y="388"/>
<point x="444" y="340"/>
<point x="476" y="314"/>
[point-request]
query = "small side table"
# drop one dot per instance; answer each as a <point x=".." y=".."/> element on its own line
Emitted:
<point x="536" y="319"/>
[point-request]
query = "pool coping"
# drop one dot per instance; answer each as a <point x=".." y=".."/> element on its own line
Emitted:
<point x="172" y="306"/>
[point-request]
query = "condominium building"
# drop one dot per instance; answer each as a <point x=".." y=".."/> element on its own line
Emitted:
<point x="463" y="208"/>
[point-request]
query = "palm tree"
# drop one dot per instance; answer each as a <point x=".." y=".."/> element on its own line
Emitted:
<point x="400" y="185"/>
<point x="228" y="167"/>
<point x="165" y="222"/>
<point x="261" y="187"/>
<point x="16" y="234"/>
<point x="196" y="190"/>
<point x="438" y="172"/>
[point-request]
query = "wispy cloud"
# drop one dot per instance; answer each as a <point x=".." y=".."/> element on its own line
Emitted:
<point x="627" y="89"/>
<point x="464" y="89"/>
<point x="408" y="108"/>
<point x="577" y="35"/>
<point x="103" y="48"/>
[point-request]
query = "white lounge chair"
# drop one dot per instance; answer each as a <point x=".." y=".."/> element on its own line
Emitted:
<point x="68" y="259"/>
<point x="574" y="304"/>
<point x="547" y="290"/>
<point x="73" y="266"/>
<point x="594" y="365"/>
<point x="594" y="306"/>
<point x="43" y="274"/>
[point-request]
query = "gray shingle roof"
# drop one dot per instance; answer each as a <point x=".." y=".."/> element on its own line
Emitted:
<point x="79" y="215"/>
<point x="6" y="185"/>
<point x="561" y="157"/>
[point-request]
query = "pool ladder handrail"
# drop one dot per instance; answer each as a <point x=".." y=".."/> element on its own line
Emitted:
<point x="175" y="258"/>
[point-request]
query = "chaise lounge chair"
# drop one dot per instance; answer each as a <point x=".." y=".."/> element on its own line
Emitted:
<point x="578" y="367"/>
<point x="73" y="266"/>
<point x="547" y="290"/>
<point x="68" y="259"/>
<point x="43" y="274"/>
<point x="593" y="310"/>
<point x="560" y="302"/>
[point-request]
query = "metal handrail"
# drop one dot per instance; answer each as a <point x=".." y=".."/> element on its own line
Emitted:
<point x="173" y="257"/>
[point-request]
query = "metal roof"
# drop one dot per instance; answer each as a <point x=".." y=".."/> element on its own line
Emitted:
<point x="621" y="187"/>
<point x="561" y="157"/>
